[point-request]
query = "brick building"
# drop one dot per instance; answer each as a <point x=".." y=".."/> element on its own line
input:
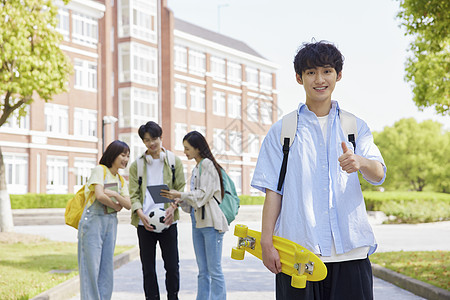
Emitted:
<point x="134" y="62"/>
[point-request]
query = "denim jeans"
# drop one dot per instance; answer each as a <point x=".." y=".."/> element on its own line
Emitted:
<point x="208" y="252"/>
<point x="97" y="233"/>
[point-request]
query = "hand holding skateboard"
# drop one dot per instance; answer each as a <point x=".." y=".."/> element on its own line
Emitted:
<point x="296" y="261"/>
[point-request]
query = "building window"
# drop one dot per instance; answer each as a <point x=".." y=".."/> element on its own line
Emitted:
<point x="180" y="95"/>
<point x="234" y="73"/>
<point x="16" y="172"/>
<point x="85" y="75"/>
<point x="85" y="122"/>
<point x="266" y="80"/>
<point x="252" y="110"/>
<point x="18" y="122"/>
<point x="218" y="68"/>
<point x="234" y="106"/>
<point x="63" y="23"/>
<point x="219" y="140"/>
<point x="85" y="30"/>
<point x="236" y="176"/>
<point x="137" y="18"/>
<point x="266" y="112"/>
<point x="180" y="60"/>
<point x="83" y="168"/>
<point x="57" y="167"/>
<point x="137" y="106"/>
<point x="201" y="129"/>
<point x="252" y="77"/>
<point x="235" y="143"/>
<point x="56" y="118"/>
<point x="197" y="62"/>
<point x="253" y="144"/>
<point x="180" y="132"/>
<point x="219" y="103"/>
<point x="138" y="63"/>
<point x="197" y="98"/>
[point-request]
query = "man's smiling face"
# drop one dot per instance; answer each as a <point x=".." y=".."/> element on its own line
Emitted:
<point x="319" y="83"/>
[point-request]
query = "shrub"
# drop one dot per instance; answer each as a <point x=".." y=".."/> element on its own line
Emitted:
<point x="39" y="201"/>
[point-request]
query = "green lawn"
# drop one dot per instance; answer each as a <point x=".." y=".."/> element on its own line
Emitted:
<point x="29" y="265"/>
<point x="432" y="267"/>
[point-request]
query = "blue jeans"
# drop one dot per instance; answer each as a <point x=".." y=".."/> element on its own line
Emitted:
<point x="97" y="233"/>
<point x="208" y="252"/>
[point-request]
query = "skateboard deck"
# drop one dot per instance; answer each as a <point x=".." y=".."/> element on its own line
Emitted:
<point x="296" y="261"/>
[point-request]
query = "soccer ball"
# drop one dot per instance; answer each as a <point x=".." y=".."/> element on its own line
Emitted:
<point x="157" y="220"/>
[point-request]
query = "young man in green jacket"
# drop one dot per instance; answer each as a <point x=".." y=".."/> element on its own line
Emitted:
<point x="156" y="169"/>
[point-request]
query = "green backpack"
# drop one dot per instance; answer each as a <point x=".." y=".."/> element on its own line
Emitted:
<point x="230" y="203"/>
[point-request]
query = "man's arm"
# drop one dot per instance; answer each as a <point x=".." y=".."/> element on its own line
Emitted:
<point x="350" y="162"/>
<point x="271" y="210"/>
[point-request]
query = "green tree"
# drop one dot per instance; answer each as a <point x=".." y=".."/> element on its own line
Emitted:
<point x="416" y="155"/>
<point x="428" y="69"/>
<point x="31" y="66"/>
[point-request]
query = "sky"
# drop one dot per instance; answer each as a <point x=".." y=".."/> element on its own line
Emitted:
<point x="367" y="33"/>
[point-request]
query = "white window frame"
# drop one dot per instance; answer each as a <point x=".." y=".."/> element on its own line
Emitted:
<point x="16" y="172"/>
<point x="180" y="60"/>
<point x="234" y="106"/>
<point x="137" y="18"/>
<point x="235" y="142"/>
<point x="82" y="170"/>
<point x="253" y="144"/>
<point x="180" y="94"/>
<point x="85" y="75"/>
<point x="219" y="103"/>
<point x="236" y="176"/>
<point x="57" y="174"/>
<point x="218" y="68"/>
<point x="251" y="75"/>
<point x="197" y="62"/>
<point x="137" y="106"/>
<point x="266" y="112"/>
<point x="234" y="73"/>
<point x="252" y="110"/>
<point x="198" y="98"/>
<point x="138" y="63"/>
<point x="56" y="118"/>
<point x="84" y="30"/>
<point x="85" y="122"/>
<point x="63" y="26"/>
<point x="265" y="80"/>
<point x="180" y="132"/>
<point x="219" y="140"/>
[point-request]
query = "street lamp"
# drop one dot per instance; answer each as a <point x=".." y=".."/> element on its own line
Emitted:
<point x="107" y="120"/>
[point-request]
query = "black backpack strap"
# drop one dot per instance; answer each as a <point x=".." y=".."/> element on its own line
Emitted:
<point x="351" y="139"/>
<point x="173" y="173"/>
<point x="284" y="163"/>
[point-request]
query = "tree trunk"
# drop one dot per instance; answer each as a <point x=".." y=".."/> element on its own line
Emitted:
<point x="6" y="219"/>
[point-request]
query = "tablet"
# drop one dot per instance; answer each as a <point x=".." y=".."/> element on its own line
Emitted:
<point x="155" y="191"/>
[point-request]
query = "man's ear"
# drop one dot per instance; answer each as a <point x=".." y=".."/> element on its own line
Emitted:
<point x="339" y="76"/>
<point x="299" y="79"/>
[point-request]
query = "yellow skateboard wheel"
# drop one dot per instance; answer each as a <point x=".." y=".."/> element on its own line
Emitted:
<point x="237" y="253"/>
<point x="298" y="281"/>
<point x="240" y="230"/>
<point x="301" y="257"/>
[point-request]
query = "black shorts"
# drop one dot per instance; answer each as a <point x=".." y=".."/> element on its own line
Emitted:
<point x="345" y="280"/>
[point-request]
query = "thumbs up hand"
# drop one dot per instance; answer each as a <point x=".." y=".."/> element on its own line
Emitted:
<point x="348" y="161"/>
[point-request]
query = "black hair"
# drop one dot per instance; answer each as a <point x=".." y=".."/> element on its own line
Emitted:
<point x="152" y="128"/>
<point x="198" y="141"/>
<point x="318" y="54"/>
<point x="112" y="151"/>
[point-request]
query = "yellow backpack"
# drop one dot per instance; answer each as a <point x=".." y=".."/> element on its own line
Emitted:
<point x="75" y="206"/>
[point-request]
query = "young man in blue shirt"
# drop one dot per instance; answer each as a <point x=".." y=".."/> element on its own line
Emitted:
<point x="320" y="205"/>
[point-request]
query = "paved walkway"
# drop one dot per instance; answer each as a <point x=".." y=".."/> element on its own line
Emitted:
<point x="248" y="278"/>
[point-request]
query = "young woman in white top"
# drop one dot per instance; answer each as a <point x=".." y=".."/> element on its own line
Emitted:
<point x="208" y="222"/>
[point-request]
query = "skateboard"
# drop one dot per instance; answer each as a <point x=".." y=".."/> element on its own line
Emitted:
<point x="296" y="261"/>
